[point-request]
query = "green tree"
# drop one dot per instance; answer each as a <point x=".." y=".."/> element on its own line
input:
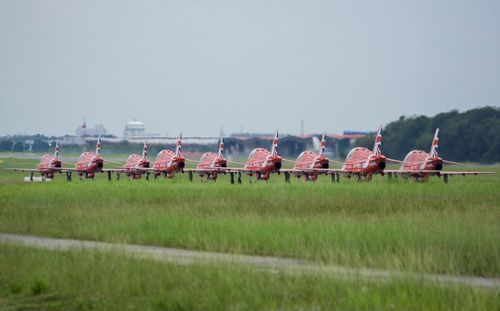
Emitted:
<point x="473" y="135"/>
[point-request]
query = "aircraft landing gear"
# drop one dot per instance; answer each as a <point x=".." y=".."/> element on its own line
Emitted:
<point x="369" y="177"/>
<point x="287" y="177"/>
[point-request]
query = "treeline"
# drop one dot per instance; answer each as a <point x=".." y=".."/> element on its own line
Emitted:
<point x="473" y="135"/>
<point x="38" y="143"/>
<point x="18" y="143"/>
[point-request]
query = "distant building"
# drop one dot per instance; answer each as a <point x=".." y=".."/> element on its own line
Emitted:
<point x="96" y="130"/>
<point x="71" y="140"/>
<point x="134" y="128"/>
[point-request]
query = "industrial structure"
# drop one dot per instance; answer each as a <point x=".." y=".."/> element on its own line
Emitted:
<point x="134" y="128"/>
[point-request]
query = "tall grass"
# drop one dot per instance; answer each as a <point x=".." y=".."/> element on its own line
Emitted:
<point x="40" y="279"/>
<point x="400" y="225"/>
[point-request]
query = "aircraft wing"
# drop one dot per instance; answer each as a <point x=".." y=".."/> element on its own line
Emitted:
<point x="412" y="171"/>
<point x="73" y="169"/>
<point x="313" y="170"/>
<point x="463" y="173"/>
<point x="201" y="170"/>
<point x="15" y="169"/>
<point x="144" y="169"/>
<point x="437" y="172"/>
<point x="132" y="170"/>
<point x="114" y="170"/>
<point x="69" y="169"/>
<point x="330" y="170"/>
<point x="151" y="170"/>
<point x="238" y="170"/>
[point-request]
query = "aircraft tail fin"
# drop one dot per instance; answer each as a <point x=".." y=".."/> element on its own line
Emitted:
<point x="56" y="150"/>
<point x="378" y="141"/>
<point x="178" y="147"/>
<point x="322" y="146"/>
<point x="98" y="146"/>
<point x="435" y="144"/>
<point x="274" y="147"/>
<point x="220" y="152"/>
<point x="145" y="150"/>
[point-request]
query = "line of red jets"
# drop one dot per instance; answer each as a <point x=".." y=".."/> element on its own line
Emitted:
<point x="360" y="162"/>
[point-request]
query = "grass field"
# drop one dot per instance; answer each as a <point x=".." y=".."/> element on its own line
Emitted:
<point x="96" y="280"/>
<point x="396" y="225"/>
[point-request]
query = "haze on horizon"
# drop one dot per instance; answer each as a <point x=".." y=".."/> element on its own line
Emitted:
<point x="260" y="65"/>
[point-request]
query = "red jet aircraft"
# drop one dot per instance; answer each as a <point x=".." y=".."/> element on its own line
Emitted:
<point x="310" y="165"/>
<point x="210" y="164"/>
<point x="88" y="164"/>
<point x="261" y="162"/>
<point x="135" y="165"/>
<point x="364" y="162"/>
<point x="48" y="165"/>
<point x="420" y="165"/>
<point x="168" y="162"/>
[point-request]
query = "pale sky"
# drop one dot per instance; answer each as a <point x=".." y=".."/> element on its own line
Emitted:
<point x="258" y="64"/>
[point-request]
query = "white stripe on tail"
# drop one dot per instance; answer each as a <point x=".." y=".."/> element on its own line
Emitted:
<point x="220" y="153"/>
<point x="378" y="142"/>
<point x="98" y="146"/>
<point x="322" y="146"/>
<point x="274" y="147"/>
<point x="56" y="150"/>
<point x="435" y="144"/>
<point x="145" y="150"/>
<point x="178" y="147"/>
